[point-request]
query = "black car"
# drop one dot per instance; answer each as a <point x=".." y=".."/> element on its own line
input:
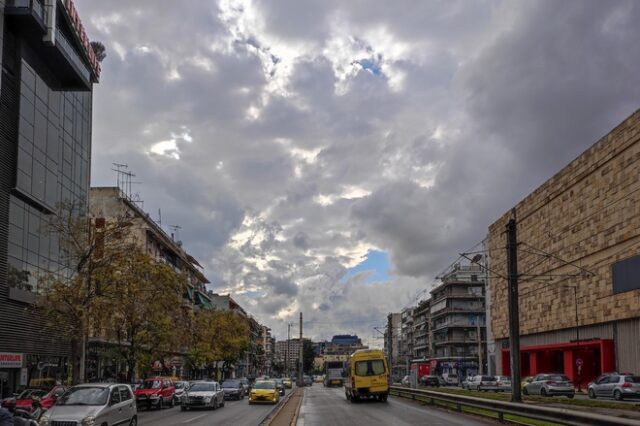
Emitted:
<point x="233" y="389"/>
<point x="280" y="386"/>
<point x="429" y="381"/>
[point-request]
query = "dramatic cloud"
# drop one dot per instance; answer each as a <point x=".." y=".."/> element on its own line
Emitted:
<point x="289" y="139"/>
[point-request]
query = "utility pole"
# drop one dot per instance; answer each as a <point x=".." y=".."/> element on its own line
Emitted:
<point x="286" y="355"/>
<point x="480" y="360"/>
<point x="514" y="318"/>
<point x="301" y="355"/>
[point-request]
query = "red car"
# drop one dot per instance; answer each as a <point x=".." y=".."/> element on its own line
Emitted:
<point x="155" y="392"/>
<point x="49" y="399"/>
<point x="24" y="401"/>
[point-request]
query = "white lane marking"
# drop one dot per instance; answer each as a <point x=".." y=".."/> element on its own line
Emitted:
<point x="195" y="418"/>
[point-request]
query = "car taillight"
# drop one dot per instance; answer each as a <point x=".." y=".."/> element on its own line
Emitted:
<point x="627" y="385"/>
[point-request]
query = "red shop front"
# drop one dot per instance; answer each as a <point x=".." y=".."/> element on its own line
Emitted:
<point x="580" y="361"/>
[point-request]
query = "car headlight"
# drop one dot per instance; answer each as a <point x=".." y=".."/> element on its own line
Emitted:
<point x="44" y="421"/>
<point x="207" y="399"/>
<point x="89" y="421"/>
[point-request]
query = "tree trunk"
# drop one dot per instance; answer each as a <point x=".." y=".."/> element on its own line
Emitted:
<point x="76" y="360"/>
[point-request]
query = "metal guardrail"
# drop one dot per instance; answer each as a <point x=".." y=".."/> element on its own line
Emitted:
<point x="550" y="414"/>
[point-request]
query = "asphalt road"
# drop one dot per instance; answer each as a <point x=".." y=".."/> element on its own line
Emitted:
<point x="328" y="406"/>
<point x="234" y="413"/>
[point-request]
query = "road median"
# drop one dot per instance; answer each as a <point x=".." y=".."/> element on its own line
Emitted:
<point x="287" y="413"/>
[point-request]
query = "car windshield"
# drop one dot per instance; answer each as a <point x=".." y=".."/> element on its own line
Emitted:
<point x="180" y="385"/>
<point x="231" y="384"/>
<point x="85" y="396"/>
<point x="503" y="378"/>
<point x="265" y="385"/>
<point x="151" y="384"/>
<point x="202" y="387"/>
<point x="488" y="379"/>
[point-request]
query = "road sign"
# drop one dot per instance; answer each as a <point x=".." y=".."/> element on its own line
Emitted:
<point x="41" y="366"/>
<point x="579" y="362"/>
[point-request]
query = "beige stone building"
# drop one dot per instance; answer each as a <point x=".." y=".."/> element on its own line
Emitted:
<point x="579" y="265"/>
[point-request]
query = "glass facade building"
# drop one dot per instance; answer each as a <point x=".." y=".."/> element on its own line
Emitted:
<point x="45" y="155"/>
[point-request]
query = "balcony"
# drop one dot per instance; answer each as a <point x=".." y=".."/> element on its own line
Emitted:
<point x="33" y="8"/>
<point x="460" y="310"/>
<point x="457" y="324"/>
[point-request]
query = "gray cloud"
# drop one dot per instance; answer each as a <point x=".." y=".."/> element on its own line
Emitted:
<point x="289" y="139"/>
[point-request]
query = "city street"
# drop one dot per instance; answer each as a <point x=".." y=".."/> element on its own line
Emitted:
<point x="236" y="413"/>
<point x="328" y="406"/>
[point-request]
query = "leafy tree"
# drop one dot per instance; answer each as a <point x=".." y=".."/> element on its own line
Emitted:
<point x="73" y="301"/>
<point x="218" y="336"/>
<point x="99" y="50"/>
<point x="308" y="356"/>
<point x="146" y="308"/>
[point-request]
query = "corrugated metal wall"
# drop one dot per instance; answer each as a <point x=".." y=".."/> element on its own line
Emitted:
<point x="625" y="334"/>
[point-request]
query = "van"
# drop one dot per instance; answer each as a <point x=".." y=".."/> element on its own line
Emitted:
<point x="367" y="376"/>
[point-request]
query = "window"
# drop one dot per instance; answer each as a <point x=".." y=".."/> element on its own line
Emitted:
<point x="370" y="368"/>
<point x="125" y="393"/>
<point x="626" y="275"/>
<point x="115" y="396"/>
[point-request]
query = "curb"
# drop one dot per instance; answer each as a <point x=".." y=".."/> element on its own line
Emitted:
<point x="297" y="412"/>
<point x="266" y="420"/>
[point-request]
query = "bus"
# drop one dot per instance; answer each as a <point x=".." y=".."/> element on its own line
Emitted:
<point x="333" y="373"/>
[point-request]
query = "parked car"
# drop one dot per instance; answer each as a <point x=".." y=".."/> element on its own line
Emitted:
<point x="203" y="395"/>
<point x="155" y="393"/>
<point x="617" y="386"/>
<point x="233" y="389"/>
<point x="482" y="383"/>
<point x="180" y="387"/>
<point x="503" y="383"/>
<point x="288" y="383"/>
<point x="28" y="418"/>
<point x="430" y="381"/>
<point x="265" y="391"/>
<point x="307" y="381"/>
<point x="279" y="386"/>
<point x="93" y="403"/>
<point x="25" y="400"/>
<point x="465" y="382"/>
<point x="526" y="380"/>
<point x="550" y="385"/>
<point x="451" y="379"/>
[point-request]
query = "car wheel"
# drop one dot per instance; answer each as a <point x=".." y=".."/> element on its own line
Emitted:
<point x="172" y="403"/>
<point x="592" y="394"/>
<point x="160" y="404"/>
<point x="617" y="395"/>
<point x="222" y="403"/>
<point x="346" y="395"/>
<point x="570" y="396"/>
<point x="215" y="404"/>
<point x="525" y="391"/>
<point x="133" y="422"/>
<point x="383" y="398"/>
<point x="543" y="392"/>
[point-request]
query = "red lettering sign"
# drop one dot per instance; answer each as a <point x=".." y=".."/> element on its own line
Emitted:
<point x="82" y="35"/>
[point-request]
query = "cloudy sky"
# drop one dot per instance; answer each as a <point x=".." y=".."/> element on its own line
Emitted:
<point x="333" y="157"/>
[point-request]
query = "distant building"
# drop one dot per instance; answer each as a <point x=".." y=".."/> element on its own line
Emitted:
<point x="458" y="321"/>
<point x="288" y="351"/>
<point x="344" y="344"/>
<point x="422" y="330"/>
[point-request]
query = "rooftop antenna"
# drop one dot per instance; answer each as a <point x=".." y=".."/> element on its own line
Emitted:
<point x="176" y="230"/>
<point x="119" y="172"/>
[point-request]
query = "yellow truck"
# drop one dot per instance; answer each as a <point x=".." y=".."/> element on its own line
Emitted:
<point x="367" y="376"/>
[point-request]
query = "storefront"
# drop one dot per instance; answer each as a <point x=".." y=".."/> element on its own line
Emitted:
<point x="580" y="361"/>
<point x="13" y="373"/>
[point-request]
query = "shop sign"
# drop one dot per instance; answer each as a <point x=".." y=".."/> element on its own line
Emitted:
<point x="10" y="360"/>
<point x="82" y="35"/>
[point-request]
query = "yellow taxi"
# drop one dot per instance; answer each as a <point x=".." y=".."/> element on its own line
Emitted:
<point x="264" y="391"/>
<point x="287" y="383"/>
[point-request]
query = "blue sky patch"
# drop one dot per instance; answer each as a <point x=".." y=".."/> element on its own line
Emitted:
<point x="376" y="263"/>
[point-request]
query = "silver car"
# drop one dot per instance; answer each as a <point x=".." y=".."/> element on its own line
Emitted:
<point x="203" y="395"/>
<point x="550" y="385"/>
<point x="503" y="383"/>
<point x="617" y="386"/>
<point x="484" y="383"/>
<point x="95" y="403"/>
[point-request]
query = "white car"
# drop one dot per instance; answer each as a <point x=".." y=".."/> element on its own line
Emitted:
<point x="203" y="395"/>
<point x="95" y="403"/>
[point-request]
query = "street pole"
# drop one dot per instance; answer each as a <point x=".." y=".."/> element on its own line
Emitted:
<point x="286" y="355"/>
<point x="575" y="297"/>
<point x="301" y="354"/>
<point x="514" y="318"/>
<point x="480" y="360"/>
